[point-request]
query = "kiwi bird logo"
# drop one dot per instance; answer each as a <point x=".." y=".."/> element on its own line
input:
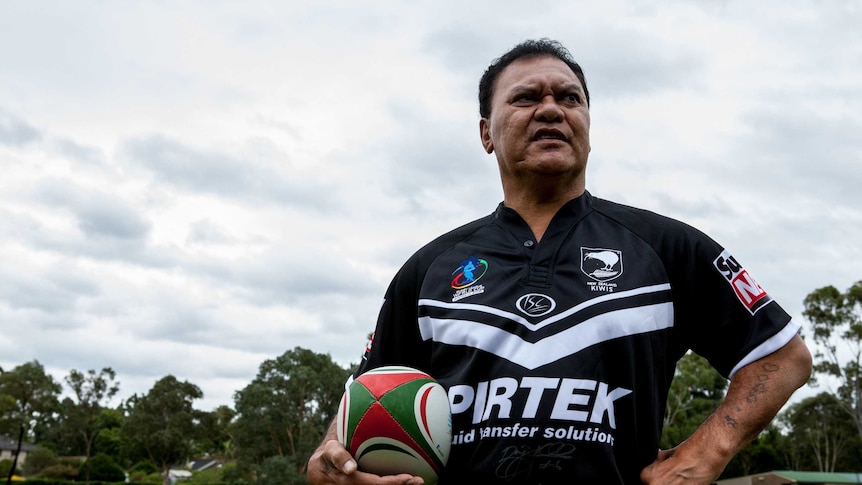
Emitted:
<point x="601" y="264"/>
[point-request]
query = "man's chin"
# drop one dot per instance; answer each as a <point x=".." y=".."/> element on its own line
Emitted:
<point x="551" y="165"/>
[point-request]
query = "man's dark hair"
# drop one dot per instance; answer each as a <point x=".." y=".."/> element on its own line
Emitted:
<point x="526" y="49"/>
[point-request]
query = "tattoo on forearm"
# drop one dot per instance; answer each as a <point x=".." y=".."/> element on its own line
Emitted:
<point x="729" y="420"/>
<point x="759" y="388"/>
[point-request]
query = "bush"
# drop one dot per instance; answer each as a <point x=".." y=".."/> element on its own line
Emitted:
<point x="155" y="477"/>
<point x="279" y="470"/>
<point x="38" y="460"/>
<point x="58" y="472"/>
<point x="206" y="477"/>
<point x="40" y="481"/>
<point x="72" y="462"/>
<point x="145" y="467"/>
<point x="231" y="474"/>
<point x="5" y="466"/>
<point x="102" y="468"/>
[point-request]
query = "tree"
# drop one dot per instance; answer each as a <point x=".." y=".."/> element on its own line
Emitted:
<point x="160" y="425"/>
<point x="38" y="460"/>
<point x="837" y="317"/>
<point x="92" y="391"/>
<point x="103" y="468"/>
<point x="28" y="396"/>
<point x="695" y="392"/>
<point x="284" y="411"/>
<point x="822" y="435"/>
<point x="7" y="468"/>
<point x="110" y="440"/>
<point x="213" y="435"/>
<point x="761" y="455"/>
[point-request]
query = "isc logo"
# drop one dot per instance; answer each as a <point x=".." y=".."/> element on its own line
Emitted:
<point x="747" y="290"/>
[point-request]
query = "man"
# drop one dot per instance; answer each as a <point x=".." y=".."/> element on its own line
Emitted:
<point x="556" y="322"/>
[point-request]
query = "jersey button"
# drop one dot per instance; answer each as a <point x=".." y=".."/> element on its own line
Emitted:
<point x="528" y="243"/>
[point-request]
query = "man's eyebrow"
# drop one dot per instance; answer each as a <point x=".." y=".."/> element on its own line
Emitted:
<point x="573" y="87"/>
<point x="523" y="88"/>
<point x="529" y="88"/>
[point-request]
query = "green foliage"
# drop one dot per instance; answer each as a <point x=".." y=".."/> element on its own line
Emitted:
<point x="91" y="392"/>
<point x="109" y="442"/>
<point x="5" y="466"/>
<point x="60" y="471"/>
<point x="280" y="470"/>
<point x="761" y="455"/>
<point x="38" y="460"/>
<point x="51" y="481"/>
<point x="285" y="411"/>
<point x="146" y="467"/>
<point x="695" y="392"/>
<point x="822" y="435"/>
<point x="155" y="477"/>
<point x="160" y="425"/>
<point x="103" y="468"/>
<point x="837" y="319"/>
<point x="231" y="474"/>
<point x="210" y="476"/>
<point x="213" y="433"/>
<point x="73" y="462"/>
<point x="28" y="398"/>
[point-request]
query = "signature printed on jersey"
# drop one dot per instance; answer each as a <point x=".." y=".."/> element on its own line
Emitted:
<point x="519" y="460"/>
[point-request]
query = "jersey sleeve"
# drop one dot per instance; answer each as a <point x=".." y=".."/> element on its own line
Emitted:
<point x="396" y="339"/>
<point x="726" y="316"/>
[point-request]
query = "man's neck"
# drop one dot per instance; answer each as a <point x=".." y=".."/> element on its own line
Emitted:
<point x="537" y="211"/>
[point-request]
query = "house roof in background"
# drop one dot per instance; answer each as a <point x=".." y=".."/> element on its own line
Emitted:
<point x="7" y="443"/>
<point x="821" y="477"/>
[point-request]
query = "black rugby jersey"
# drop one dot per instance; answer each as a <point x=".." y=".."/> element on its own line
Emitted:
<point x="558" y="355"/>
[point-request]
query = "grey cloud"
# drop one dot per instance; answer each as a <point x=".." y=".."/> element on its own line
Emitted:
<point x="464" y="50"/>
<point x="179" y="165"/>
<point x="617" y="62"/>
<point x="802" y="152"/>
<point x="86" y="155"/>
<point x="56" y="290"/>
<point x="631" y="64"/>
<point x="207" y="232"/>
<point x="174" y="319"/>
<point x="99" y="215"/>
<point x="109" y="228"/>
<point x="288" y="276"/>
<point x="428" y="155"/>
<point x="704" y="208"/>
<point x="112" y="221"/>
<point x="16" y="132"/>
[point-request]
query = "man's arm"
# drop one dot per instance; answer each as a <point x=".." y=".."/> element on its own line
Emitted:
<point x="755" y="395"/>
<point x="332" y="463"/>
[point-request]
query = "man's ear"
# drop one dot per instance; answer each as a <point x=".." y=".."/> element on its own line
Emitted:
<point x="485" y="135"/>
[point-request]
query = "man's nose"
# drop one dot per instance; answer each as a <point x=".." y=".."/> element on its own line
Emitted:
<point x="548" y="110"/>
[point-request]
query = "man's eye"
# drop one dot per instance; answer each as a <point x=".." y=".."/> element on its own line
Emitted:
<point x="574" y="98"/>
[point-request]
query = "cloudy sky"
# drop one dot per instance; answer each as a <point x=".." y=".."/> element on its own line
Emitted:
<point x="190" y="188"/>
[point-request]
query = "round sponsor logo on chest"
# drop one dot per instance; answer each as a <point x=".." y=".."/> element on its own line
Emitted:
<point x="536" y="304"/>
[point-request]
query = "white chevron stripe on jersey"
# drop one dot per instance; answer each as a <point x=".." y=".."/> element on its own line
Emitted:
<point x="601" y="328"/>
<point x="547" y="321"/>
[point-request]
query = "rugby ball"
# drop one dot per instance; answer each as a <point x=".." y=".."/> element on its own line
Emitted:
<point x="396" y="420"/>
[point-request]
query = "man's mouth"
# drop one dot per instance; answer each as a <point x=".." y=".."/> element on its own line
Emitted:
<point x="549" y="134"/>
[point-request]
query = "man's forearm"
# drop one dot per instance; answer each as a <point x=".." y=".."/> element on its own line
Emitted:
<point x="756" y="394"/>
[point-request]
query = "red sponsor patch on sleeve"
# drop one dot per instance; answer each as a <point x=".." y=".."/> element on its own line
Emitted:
<point x="752" y="296"/>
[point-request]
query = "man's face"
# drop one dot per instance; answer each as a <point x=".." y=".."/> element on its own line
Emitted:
<point x="539" y="122"/>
